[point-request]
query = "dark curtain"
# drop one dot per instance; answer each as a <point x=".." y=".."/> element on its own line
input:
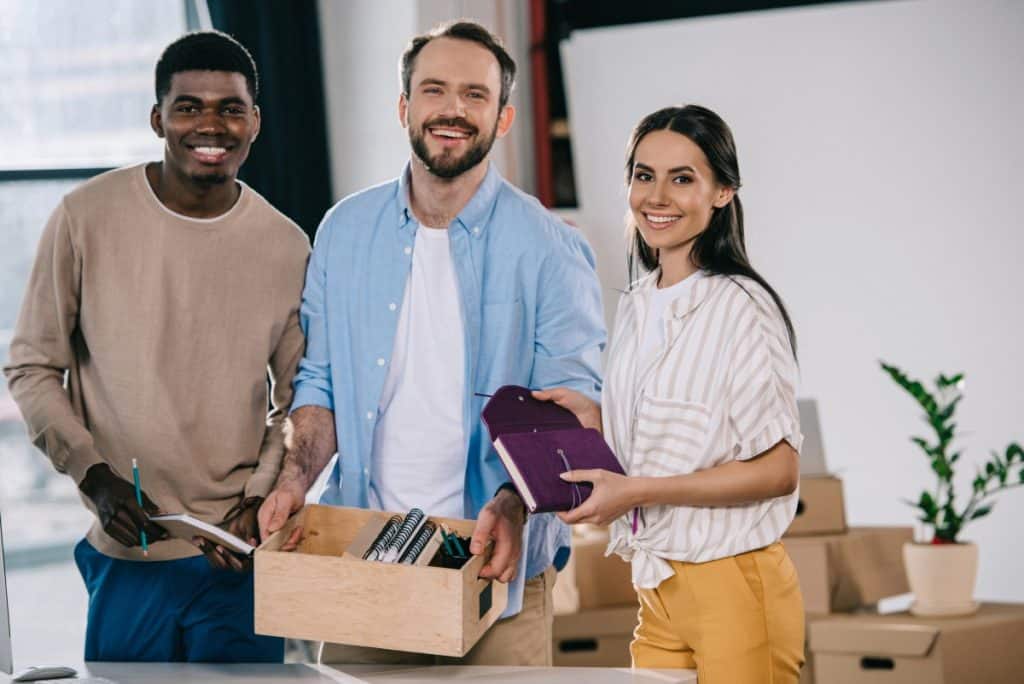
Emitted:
<point x="289" y="163"/>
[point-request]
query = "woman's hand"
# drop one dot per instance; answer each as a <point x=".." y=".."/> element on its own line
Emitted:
<point x="586" y="410"/>
<point x="614" y="495"/>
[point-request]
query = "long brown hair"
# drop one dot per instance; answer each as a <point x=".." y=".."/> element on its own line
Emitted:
<point x="720" y="248"/>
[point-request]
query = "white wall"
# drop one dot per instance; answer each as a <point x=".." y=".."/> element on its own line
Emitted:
<point x="362" y="41"/>
<point x="881" y="149"/>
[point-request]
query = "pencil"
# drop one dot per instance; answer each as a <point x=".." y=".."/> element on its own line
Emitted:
<point x="138" y="499"/>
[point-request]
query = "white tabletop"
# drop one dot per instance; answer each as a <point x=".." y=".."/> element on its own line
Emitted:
<point x="187" y="673"/>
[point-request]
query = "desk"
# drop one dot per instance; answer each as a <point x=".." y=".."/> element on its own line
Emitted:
<point x="196" y="673"/>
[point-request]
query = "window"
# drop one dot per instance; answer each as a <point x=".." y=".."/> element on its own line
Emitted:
<point x="78" y="78"/>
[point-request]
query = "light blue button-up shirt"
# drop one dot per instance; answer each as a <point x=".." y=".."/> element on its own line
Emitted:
<point x="531" y="307"/>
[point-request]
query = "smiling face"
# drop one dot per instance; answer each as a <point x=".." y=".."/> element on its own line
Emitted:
<point x="208" y="121"/>
<point x="673" y="192"/>
<point x="451" y="110"/>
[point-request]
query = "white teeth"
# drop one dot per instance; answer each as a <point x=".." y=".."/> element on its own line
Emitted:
<point x="660" y="219"/>
<point x="211" y="150"/>
<point x="448" y="134"/>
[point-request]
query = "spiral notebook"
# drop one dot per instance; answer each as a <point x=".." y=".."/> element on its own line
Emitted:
<point x="537" y="442"/>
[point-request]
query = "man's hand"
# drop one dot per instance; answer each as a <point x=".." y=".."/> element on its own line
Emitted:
<point x="586" y="410"/>
<point x="241" y="522"/>
<point x="120" y="514"/>
<point x="285" y="500"/>
<point x="502" y="520"/>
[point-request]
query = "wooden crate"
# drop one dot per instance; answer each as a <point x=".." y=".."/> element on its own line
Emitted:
<point x="318" y="593"/>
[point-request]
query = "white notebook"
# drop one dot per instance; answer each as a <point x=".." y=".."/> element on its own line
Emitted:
<point x="184" y="526"/>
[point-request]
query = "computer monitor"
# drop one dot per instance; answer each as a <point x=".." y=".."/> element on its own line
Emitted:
<point x="6" y="660"/>
<point x="812" y="454"/>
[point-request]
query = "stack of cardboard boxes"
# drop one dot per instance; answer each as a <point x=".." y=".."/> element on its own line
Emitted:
<point x="595" y="604"/>
<point x="841" y="569"/>
<point x="984" y="648"/>
<point x="844" y="572"/>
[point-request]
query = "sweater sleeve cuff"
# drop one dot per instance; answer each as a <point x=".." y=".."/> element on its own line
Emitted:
<point x="79" y="461"/>
<point x="260" y="484"/>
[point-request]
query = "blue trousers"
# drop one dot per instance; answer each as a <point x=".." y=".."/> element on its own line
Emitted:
<point x="170" y="611"/>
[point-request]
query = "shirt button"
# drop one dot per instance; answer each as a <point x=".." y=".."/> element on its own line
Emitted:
<point x="369" y="415"/>
<point x="407" y="250"/>
<point x="381" y="362"/>
<point x="476" y="230"/>
<point x="392" y="306"/>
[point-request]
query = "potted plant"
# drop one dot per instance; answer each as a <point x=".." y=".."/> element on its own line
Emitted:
<point x="942" y="573"/>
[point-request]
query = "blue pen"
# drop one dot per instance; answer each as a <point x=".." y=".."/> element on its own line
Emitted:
<point x="138" y="499"/>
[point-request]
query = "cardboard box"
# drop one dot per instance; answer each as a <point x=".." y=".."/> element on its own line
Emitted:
<point x="985" y="648"/>
<point x="318" y="593"/>
<point x="601" y="581"/>
<point x="595" y="638"/>
<point x="565" y="595"/>
<point x="807" y="672"/>
<point x="846" y="571"/>
<point x="820" y="509"/>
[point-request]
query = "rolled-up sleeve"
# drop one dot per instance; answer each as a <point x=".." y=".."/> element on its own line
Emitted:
<point x="313" y="378"/>
<point x="762" y="384"/>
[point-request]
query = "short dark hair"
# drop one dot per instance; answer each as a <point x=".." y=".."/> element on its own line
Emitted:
<point x="205" y="51"/>
<point x="462" y="30"/>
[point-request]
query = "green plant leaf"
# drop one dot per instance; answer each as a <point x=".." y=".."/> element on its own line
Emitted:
<point x="981" y="512"/>
<point x="979" y="483"/>
<point x="923" y="443"/>
<point x="915" y="388"/>
<point x="941" y="468"/>
<point x="927" y="505"/>
<point x="947" y="432"/>
<point x="1014" y="451"/>
<point x="942" y="381"/>
<point x="948" y="412"/>
<point x="955" y="457"/>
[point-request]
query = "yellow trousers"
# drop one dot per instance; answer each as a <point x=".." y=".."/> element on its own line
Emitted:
<point x="736" y="620"/>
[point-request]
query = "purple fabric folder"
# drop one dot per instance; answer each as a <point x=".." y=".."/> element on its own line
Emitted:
<point x="539" y="440"/>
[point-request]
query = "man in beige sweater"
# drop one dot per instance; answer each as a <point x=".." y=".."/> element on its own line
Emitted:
<point x="160" y="297"/>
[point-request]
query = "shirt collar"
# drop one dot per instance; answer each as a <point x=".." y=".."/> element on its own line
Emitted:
<point x="473" y="217"/>
<point x="684" y="304"/>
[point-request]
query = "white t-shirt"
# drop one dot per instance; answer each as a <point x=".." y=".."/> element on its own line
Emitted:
<point x="419" y="444"/>
<point x="652" y="338"/>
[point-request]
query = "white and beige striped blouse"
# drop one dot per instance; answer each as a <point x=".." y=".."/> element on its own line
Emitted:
<point x="722" y="387"/>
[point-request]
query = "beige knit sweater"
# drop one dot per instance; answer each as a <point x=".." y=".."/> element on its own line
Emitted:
<point x="146" y="334"/>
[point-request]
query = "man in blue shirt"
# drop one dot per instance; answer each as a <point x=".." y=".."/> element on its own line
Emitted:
<point x="422" y="294"/>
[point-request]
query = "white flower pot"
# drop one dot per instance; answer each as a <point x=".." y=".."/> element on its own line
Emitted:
<point x="942" y="578"/>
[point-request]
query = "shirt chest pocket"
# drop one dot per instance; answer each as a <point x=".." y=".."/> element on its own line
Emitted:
<point x="670" y="436"/>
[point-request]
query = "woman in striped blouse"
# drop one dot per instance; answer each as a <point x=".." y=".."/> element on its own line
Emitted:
<point x="699" y="404"/>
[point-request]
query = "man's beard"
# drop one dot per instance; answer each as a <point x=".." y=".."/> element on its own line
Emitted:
<point x="444" y="165"/>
